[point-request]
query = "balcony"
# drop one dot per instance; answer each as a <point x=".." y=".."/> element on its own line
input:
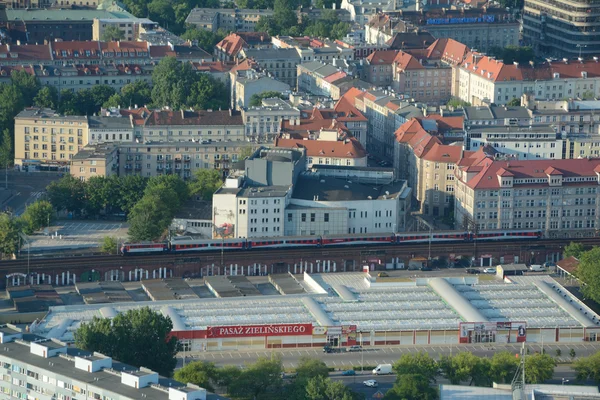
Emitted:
<point x="159" y="168"/>
<point x="127" y="167"/>
<point x="138" y="167"/>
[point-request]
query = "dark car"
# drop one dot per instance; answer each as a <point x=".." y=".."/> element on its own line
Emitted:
<point x="349" y="372"/>
<point x="472" y="271"/>
<point x="426" y="269"/>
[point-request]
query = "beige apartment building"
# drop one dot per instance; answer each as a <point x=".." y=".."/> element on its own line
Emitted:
<point x="558" y="197"/>
<point x="95" y="160"/>
<point x="44" y="139"/>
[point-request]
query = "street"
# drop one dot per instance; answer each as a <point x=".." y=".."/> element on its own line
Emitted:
<point x="25" y="188"/>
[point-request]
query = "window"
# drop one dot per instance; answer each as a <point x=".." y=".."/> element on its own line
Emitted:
<point x="289" y="217"/>
<point x="303" y="217"/>
<point x="312" y="217"/>
<point x="326" y="217"/>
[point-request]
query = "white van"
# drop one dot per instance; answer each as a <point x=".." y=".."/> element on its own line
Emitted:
<point x="537" y="268"/>
<point x="383" y="369"/>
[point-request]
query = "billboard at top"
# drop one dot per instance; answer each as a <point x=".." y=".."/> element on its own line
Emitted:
<point x="259" y="330"/>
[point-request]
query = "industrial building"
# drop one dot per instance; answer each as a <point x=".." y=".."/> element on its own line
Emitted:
<point x="357" y="308"/>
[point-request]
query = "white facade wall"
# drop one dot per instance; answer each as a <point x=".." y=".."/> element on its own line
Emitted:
<point x="343" y="161"/>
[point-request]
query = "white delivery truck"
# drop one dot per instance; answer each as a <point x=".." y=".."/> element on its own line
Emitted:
<point x="383" y="369"/>
<point x="537" y="268"/>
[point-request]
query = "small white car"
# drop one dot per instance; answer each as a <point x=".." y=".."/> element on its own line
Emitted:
<point x="370" y="383"/>
<point x="489" y="270"/>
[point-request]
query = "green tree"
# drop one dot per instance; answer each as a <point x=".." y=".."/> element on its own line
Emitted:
<point x="588" y="368"/>
<point x="205" y="183"/>
<point x="311" y="367"/>
<point x="171" y="83"/>
<point x="503" y="367"/>
<point x="457" y="103"/>
<point x="227" y="375"/>
<point x="130" y="190"/>
<point x="37" y="215"/>
<point x="515" y="102"/>
<point x="97" y="194"/>
<point x="9" y="235"/>
<point x="480" y="373"/>
<point x="27" y="84"/>
<point x="139" y="337"/>
<point x="539" y="368"/>
<point x="269" y="25"/>
<point x="573" y="249"/>
<point x="257" y="98"/>
<point x="148" y="219"/>
<point x="411" y="387"/>
<point x="201" y="373"/>
<point x="419" y="363"/>
<point x="461" y="367"/>
<point x="138" y="93"/>
<point x="109" y="245"/>
<point x="589" y="273"/>
<point x="246" y="152"/>
<point x="47" y="97"/>
<point x="261" y="380"/>
<point x="112" y="33"/>
<point x="323" y="388"/>
<point x="6" y="149"/>
<point x="339" y="30"/>
<point x="67" y="193"/>
<point x="171" y="188"/>
<point x="68" y="103"/>
<point x="12" y="102"/>
<point x="208" y="93"/>
<point x="284" y="12"/>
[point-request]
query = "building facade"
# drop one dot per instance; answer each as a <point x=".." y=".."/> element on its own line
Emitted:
<point x="280" y="63"/>
<point x="95" y="160"/>
<point x="562" y="27"/>
<point x="557" y="197"/>
<point x="263" y="123"/>
<point x="44" y="139"/>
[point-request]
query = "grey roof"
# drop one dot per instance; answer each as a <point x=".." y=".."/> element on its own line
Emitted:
<point x="335" y="189"/>
<point x="109" y="123"/>
<point x="272" y="54"/>
<point x="574" y="311"/>
<point x="35" y="112"/>
<point x="496" y="112"/>
<point x="513" y="129"/>
<point x="264" y="191"/>
<point x="479" y="112"/>
<point x="95" y="151"/>
<point x="454" y="299"/>
<point x="65" y="15"/>
<point x="514" y="267"/>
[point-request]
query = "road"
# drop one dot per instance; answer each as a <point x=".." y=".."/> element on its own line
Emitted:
<point x="25" y="187"/>
<point x="383" y="355"/>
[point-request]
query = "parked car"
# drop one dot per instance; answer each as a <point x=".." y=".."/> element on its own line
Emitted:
<point x="489" y="270"/>
<point x="371" y="383"/>
<point x="426" y="269"/>
<point x="356" y="347"/>
<point x="349" y="372"/>
<point x="472" y="271"/>
<point x="329" y="349"/>
<point x="537" y="268"/>
<point x="383" y="275"/>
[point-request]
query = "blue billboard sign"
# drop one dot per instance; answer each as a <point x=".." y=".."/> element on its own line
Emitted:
<point x="456" y="21"/>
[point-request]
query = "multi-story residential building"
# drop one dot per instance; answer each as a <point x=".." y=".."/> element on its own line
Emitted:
<point x="562" y="27"/>
<point x="252" y="83"/>
<point x="494" y="115"/>
<point x="263" y="123"/>
<point x="361" y="11"/>
<point x="274" y="196"/>
<point x="280" y="63"/>
<point x="230" y="47"/>
<point x="324" y="148"/>
<point x="539" y="141"/>
<point x="428" y="165"/>
<point x="83" y="76"/>
<point x="571" y="117"/>
<point x="478" y="28"/>
<point x="228" y="19"/>
<point x="33" y="366"/>
<point x="95" y="160"/>
<point x="558" y="197"/>
<point x="40" y="25"/>
<point x="44" y="139"/>
<point x="482" y="80"/>
<point x="131" y="28"/>
<point x="110" y="127"/>
<point x="63" y="53"/>
<point x="313" y="49"/>
<point x="317" y="78"/>
<point x="385" y="113"/>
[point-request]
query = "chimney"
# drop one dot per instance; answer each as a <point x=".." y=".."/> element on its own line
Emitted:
<point x="566" y="60"/>
<point x="516" y="64"/>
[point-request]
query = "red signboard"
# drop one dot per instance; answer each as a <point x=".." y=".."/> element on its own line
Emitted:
<point x="258" y="330"/>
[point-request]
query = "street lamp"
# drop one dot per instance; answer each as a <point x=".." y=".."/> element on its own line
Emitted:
<point x="580" y="46"/>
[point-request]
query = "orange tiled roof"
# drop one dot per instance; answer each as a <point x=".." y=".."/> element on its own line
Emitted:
<point x="349" y="148"/>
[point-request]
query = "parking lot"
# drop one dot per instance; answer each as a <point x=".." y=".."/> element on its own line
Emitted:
<point x="77" y="235"/>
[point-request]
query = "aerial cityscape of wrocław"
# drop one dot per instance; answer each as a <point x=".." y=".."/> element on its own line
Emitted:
<point x="299" y="199"/>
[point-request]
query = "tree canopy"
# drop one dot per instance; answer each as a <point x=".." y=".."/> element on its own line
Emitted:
<point x="129" y="339"/>
<point x="112" y="33"/>
<point x="574" y="249"/>
<point x="257" y="98"/>
<point x="589" y="273"/>
<point x="588" y="368"/>
<point x="205" y="183"/>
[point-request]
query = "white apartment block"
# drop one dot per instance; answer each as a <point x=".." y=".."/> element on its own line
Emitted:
<point x="482" y="80"/>
<point x="36" y="368"/>
<point x="558" y="197"/>
<point x="521" y="142"/>
<point x="263" y="123"/>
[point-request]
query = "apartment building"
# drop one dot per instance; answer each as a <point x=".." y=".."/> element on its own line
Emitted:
<point x="558" y="197"/>
<point x="314" y="49"/>
<point x="77" y="77"/>
<point x="571" y="117"/>
<point x="228" y="19"/>
<point x="95" y="160"/>
<point x="483" y="80"/>
<point x="280" y="63"/>
<point x="324" y="148"/>
<point x="317" y="78"/>
<point x="562" y="27"/>
<point x="230" y="47"/>
<point x="275" y="196"/>
<point x="263" y="123"/>
<point x="428" y="165"/>
<point x="478" y="28"/>
<point x="250" y="83"/>
<point x="131" y="28"/>
<point x="44" y="139"/>
<point x="36" y="367"/>
<point x="111" y="127"/>
<point x="385" y="112"/>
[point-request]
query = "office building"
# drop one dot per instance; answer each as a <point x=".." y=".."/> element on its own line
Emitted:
<point x="563" y="28"/>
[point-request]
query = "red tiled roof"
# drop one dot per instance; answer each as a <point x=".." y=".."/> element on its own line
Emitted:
<point x="25" y="53"/>
<point x="405" y="61"/>
<point x="349" y="148"/>
<point x="447" y="123"/>
<point x="212" y="66"/>
<point x="569" y="264"/>
<point x="75" y="49"/>
<point x="232" y="44"/>
<point x="162" y="51"/>
<point x="523" y="169"/>
<point x="448" y="50"/>
<point x="335" y="76"/>
<point x="201" y="117"/>
<point x="425" y="145"/>
<point x="382" y="57"/>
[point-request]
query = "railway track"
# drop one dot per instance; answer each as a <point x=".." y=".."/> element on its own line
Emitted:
<point x="286" y="255"/>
